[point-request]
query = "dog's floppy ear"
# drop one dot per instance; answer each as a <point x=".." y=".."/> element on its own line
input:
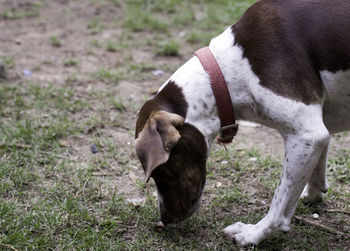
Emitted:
<point x="158" y="137"/>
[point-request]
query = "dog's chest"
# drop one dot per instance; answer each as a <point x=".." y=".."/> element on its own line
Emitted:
<point x="336" y="111"/>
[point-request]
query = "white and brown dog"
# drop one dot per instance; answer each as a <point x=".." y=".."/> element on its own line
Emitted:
<point x="286" y="65"/>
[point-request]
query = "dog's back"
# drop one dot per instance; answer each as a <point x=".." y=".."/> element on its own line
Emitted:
<point x="289" y="43"/>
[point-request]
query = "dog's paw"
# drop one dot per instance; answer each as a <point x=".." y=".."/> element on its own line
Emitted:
<point x="244" y="234"/>
<point x="310" y="195"/>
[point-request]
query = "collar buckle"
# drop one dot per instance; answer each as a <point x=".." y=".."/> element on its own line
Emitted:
<point x="228" y="131"/>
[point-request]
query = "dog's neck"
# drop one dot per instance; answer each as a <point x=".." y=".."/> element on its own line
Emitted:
<point x="194" y="82"/>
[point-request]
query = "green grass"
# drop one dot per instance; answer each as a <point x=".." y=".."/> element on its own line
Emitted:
<point x="170" y="48"/>
<point x="9" y="62"/>
<point x="30" y="10"/>
<point x="95" y="25"/>
<point x="96" y="43"/>
<point x="111" y="46"/>
<point x="141" y="20"/>
<point x="55" y="41"/>
<point x="107" y="76"/>
<point x="118" y="104"/>
<point x="70" y="62"/>
<point x="72" y="79"/>
<point x="193" y="37"/>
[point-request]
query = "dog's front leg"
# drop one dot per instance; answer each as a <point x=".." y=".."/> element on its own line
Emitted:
<point x="302" y="154"/>
<point x="303" y="151"/>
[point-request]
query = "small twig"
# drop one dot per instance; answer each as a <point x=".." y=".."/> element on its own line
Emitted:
<point x="8" y="246"/>
<point x="337" y="211"/>
<point x="100" y="174"/>
<point x="21" y="146"/>
<point x="121" y="162"/>
<point x="318" y="225"/>
<point x="87" y="180"/>
<point x="53" y="154"/>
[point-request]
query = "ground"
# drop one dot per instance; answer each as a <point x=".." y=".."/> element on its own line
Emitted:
<point x="73" y="75"/>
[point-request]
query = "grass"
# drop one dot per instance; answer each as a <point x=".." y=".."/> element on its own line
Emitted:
<point x="111" y="46"/>
<point x="70" y="62"/>
<point x="9" y="62"/>
<point x="118" y="104"/>
<point x="95" y="25"/>
<point x="96" y="43"/>
<point x="55" y="41"/>
<point x="193" y="37"/>
<point x="107" y="76"/>
<point x="140" y="20"/>
<point x="170" y="48"/>
<point x="30" y="10"/>
<point x="56" y="195"/>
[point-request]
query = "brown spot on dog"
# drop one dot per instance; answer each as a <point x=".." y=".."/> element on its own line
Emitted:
<point x="170" y="99"/>
<point x="288" y="42"/>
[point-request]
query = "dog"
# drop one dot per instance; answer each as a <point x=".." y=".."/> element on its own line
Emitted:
<point x="287" y="66"/>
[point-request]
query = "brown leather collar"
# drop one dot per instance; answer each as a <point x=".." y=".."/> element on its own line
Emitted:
<point x="229" y="127"/>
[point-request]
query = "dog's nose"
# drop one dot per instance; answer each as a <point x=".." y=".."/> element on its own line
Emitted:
<point x="159" y="225"/>
<point x="178" y="211"/>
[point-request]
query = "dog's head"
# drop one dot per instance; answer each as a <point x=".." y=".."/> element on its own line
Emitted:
<point x="174" y="154"/>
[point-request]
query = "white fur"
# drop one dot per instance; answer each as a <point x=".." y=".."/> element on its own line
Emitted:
<point x="302" y="127"/>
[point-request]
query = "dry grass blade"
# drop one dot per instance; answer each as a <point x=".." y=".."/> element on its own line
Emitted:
<point x="100" y="174"/>
<point x="337" y="211"/>
<point x="319" y="225"/>
<point x="8" y="246"/>
<point x="20" y="146"/>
